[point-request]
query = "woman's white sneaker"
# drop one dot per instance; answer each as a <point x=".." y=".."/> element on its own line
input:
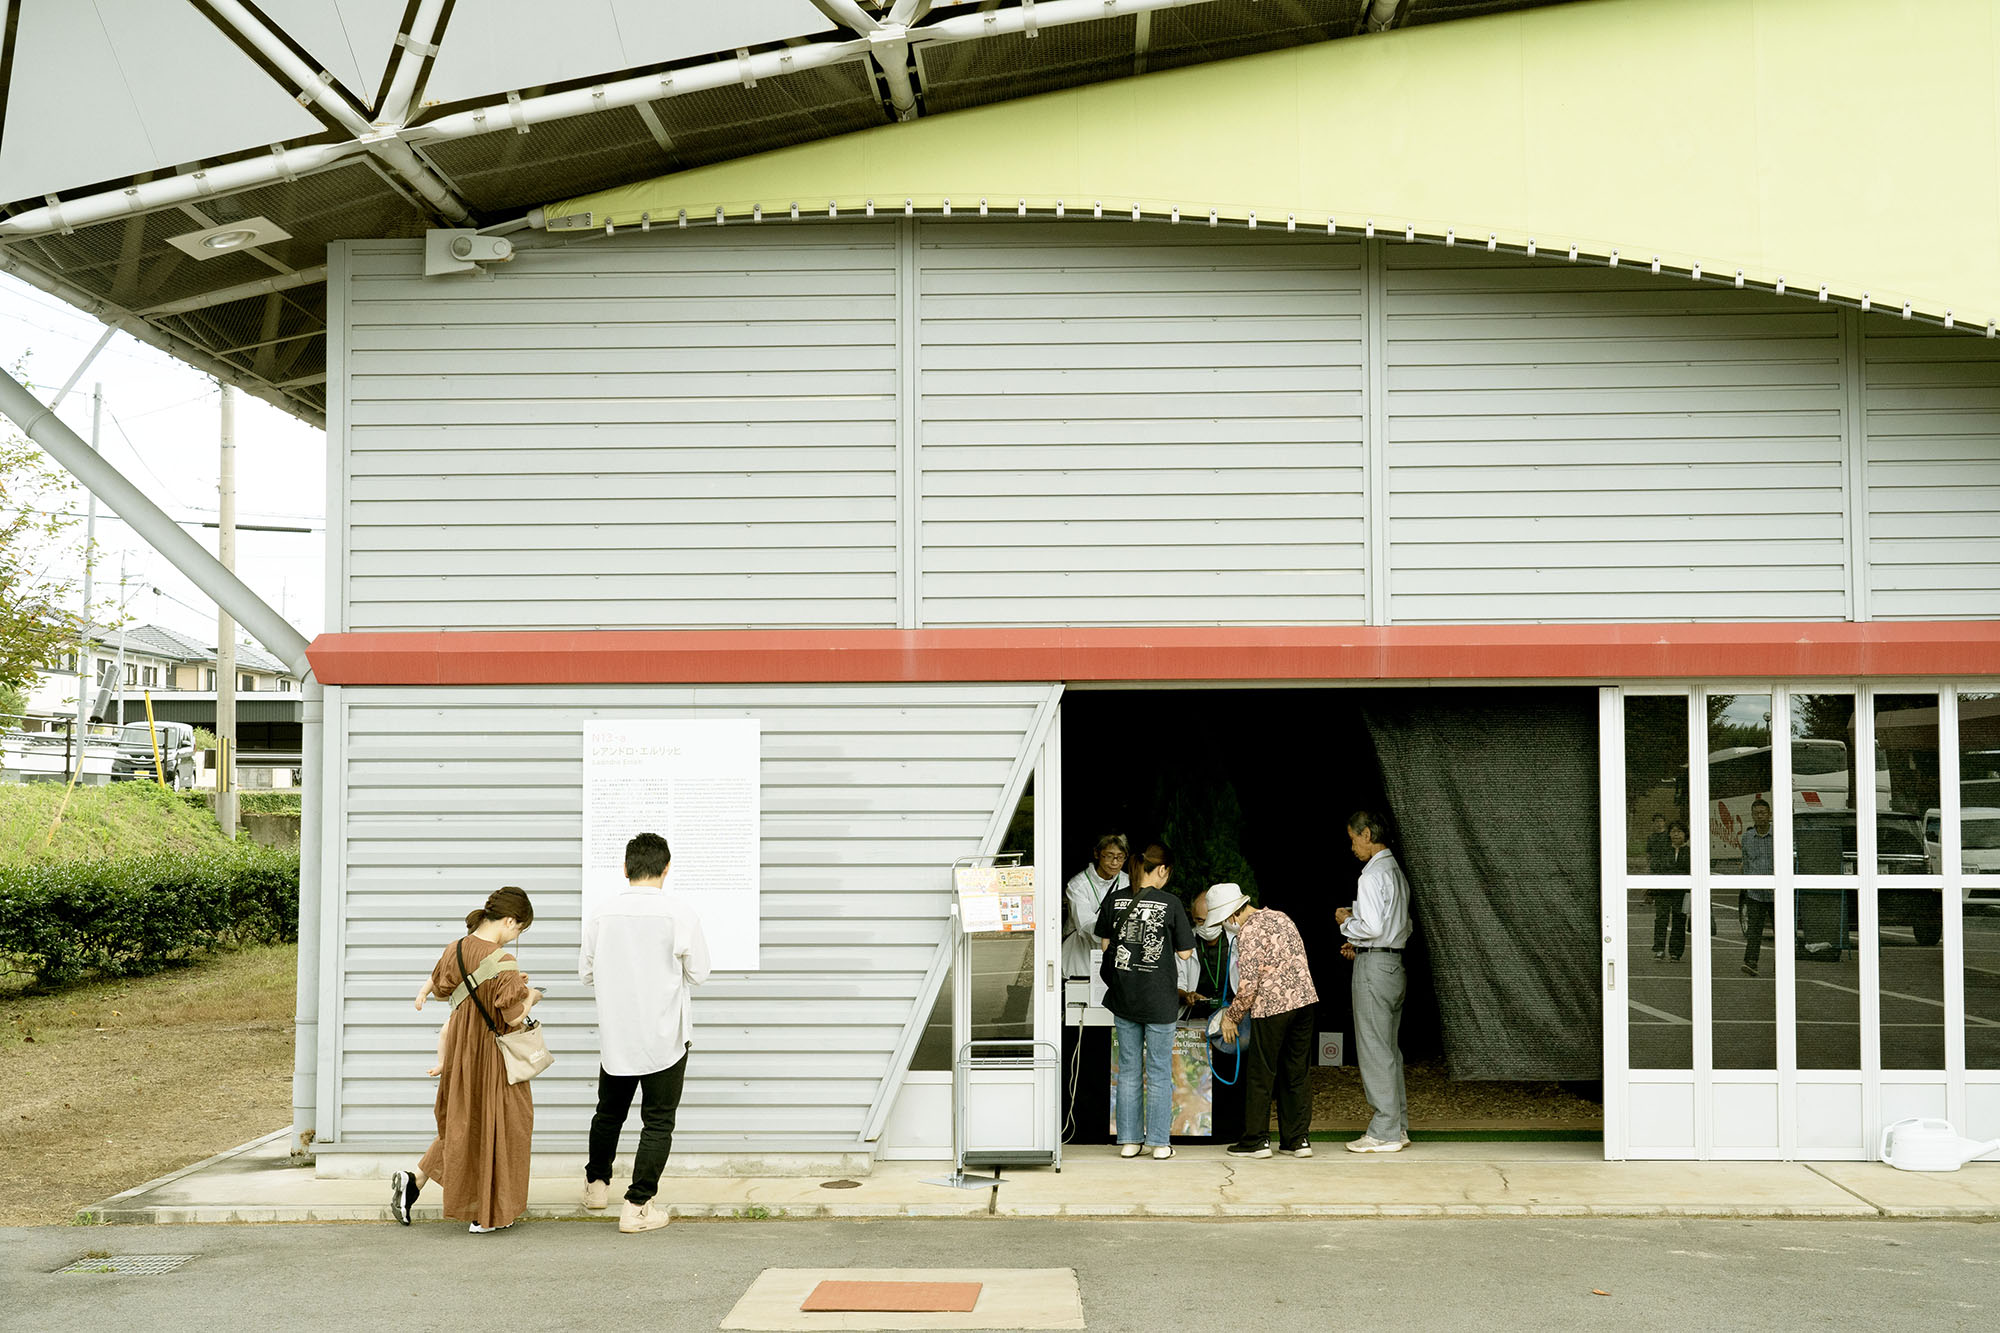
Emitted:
<point x="1128" y="1150"/>
<point x="1162" y="1153"/>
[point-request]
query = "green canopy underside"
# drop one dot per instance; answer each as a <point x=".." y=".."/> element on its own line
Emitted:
<point x="1849" y="145"/>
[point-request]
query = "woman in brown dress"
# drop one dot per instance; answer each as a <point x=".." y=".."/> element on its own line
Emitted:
<point x="484" y="1123"/>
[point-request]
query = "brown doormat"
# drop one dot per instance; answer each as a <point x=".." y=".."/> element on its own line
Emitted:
<point x="903" y="1297"/>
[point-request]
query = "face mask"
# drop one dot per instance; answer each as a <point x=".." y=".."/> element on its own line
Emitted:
<point x="1208" y="932"/>
<point x="1230" y="926"/>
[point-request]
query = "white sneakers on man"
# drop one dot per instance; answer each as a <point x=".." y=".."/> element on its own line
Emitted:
<point x="1369" y="1143"/>
<point x="596" y="1194"/>
<point x="641" y="1217"/>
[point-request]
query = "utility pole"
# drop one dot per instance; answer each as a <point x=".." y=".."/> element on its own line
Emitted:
<point x="118" y="676"/>
<point x="225" y="629"/>
<point x="86" y="679"/>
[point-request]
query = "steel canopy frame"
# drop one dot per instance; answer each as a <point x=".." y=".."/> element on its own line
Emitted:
<point x="1718" y="149"/>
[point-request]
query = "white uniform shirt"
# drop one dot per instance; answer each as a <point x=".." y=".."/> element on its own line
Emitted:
<point x="1381" y="917"/>
<point x="1085" y="894"/>
<point x="641" y="954"/>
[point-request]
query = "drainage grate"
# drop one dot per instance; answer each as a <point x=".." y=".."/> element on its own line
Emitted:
<point x="144" y="1265"/>
<point x="840" y="1184"/>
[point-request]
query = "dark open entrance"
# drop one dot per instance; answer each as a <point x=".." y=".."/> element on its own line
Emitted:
<point x="1493" y="793"/>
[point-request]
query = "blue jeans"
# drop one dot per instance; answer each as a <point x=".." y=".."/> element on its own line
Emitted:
<point x="1150" y="1045"/>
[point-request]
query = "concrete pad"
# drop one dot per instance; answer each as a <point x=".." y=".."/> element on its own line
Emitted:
<point x="1008" y="1298"/>
<point x="259" y="1182"/>
<point x="1971" y="1191"/>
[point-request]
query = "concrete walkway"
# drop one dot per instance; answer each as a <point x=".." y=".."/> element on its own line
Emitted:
<point x="258" y="1183"/>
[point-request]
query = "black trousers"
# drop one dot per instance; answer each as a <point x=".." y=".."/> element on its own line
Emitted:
<point x="659" y="1104"/>
<point x="1667" y="907"/>
<point x="1756" y="916"/>
<point x="1278" y="1061"/>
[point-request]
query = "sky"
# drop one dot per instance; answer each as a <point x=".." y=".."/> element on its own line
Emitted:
<point x="161" y="428"/>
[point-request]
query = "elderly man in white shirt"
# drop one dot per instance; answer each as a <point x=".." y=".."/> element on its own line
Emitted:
<point x="642" y="952"/>
<point x="1084" y="897"/>
<point x="1377" y="927"/>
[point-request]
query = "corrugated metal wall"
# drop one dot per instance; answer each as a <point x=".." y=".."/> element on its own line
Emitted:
<point x="1154" y="434"/>
<point x="656" y="436"/>
<point x="869" y="793"/>
<point x="991" y="422"/>
<point x="1932" y="410"/>
<point x="1570" y="443"/>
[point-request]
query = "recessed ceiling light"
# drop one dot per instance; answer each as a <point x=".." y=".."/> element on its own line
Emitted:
<point x="229" y="237"/>
<point x="232" y="239"/>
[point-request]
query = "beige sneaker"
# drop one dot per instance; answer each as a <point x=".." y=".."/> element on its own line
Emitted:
<point x="1368" y="1143"/>
<point x="596" y="1194"/>
<point x="647" y="1216"/>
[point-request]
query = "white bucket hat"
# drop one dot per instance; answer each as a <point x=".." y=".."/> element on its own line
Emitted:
<point x="1224" y="901"/>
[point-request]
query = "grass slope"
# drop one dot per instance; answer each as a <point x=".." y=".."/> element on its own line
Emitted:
<point x="111" y="1084"/>
<point x="125" y="819"/>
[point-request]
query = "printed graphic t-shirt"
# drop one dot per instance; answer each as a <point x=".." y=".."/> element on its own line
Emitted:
<point x="1141" y="986"/>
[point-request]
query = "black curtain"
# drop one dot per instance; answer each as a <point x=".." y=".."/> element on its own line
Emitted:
<point x="1493" y="795"/>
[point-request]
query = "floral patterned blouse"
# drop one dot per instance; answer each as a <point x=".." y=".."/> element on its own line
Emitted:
<point x="1271" y="970"/>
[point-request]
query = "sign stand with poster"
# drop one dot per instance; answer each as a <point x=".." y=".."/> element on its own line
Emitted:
<point x="996" y="896"/>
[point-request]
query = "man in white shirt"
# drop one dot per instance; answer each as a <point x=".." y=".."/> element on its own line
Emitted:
<point x="1377" y="927"/>
<point x="641" y="953"/>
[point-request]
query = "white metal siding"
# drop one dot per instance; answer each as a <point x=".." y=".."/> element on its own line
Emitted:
<point x="1931" y="400"/>
<point x="1569" y="443"/>
<point x="988" y="422"/>
<point x="869" y="793"/>
<point x="1138" y="425"/>
<point x="679" y="429"/>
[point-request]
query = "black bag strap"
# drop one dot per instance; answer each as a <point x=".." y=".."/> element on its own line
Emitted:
<point x="472" y="990"/>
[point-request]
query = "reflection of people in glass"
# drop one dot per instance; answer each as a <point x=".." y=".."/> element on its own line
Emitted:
<point x="1659" y="848"/>
<point x="1668" y="908"/>
<point x="1084" y="896"/>
<point x="1759" y="858"/>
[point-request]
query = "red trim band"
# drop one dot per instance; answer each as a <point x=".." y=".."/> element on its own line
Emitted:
<point x="1175" y="653"/>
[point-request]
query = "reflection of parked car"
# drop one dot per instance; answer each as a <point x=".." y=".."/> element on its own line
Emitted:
<point x="135" y="753"/>
<point x="1899" y="850"/>
<point x="1979" y="847"/>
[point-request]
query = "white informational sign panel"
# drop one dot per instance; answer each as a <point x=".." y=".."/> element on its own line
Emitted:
<point x="696" y="785"/>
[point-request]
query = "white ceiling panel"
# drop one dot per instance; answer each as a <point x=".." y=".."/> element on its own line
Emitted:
<point x="110" y="88"/>
<point x="498" y="46"/>
<point x="351" y="39"/>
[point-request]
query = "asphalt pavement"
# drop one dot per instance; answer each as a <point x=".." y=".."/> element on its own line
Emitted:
<point x="1145" y="1277"/>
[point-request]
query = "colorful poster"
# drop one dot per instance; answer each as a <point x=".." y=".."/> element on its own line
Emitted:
<point x="995" y="898"/>
<point x="1193" y="1082"/>
<point x="696" y="785"/>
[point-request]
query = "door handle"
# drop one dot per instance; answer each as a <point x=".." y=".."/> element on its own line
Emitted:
<point x="1611" y="974"/>
<point x="1052" y="976"/>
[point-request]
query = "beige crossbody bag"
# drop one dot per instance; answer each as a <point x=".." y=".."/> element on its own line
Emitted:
<point x="523" y="1052"/>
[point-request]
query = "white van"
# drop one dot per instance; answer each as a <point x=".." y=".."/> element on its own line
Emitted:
<point x="1979" y="836"/>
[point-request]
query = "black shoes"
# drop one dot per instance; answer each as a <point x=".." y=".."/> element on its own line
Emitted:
<point x="1252" y="1149"/>
<point x="403" y="1191"/>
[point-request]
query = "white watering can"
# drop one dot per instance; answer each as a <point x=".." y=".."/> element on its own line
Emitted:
<point x="1930" y="1145"/>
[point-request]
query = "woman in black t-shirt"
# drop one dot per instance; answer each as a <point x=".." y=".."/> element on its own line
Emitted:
<point x="1142" y="930"/>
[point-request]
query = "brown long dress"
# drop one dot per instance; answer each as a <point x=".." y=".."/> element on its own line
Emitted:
<point x="484" y="1123"/>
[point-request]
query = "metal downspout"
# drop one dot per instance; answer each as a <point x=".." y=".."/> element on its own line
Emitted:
<point x="305" y="1024"/>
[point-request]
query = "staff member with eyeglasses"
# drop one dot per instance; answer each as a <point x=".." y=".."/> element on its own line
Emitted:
<point x="1377" y="928"/>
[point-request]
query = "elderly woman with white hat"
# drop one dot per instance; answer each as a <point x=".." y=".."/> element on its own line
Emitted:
<point x="1274" y="993"/>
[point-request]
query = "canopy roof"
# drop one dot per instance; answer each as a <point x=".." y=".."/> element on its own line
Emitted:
<point x="1719" y="140"/>
<point x="126" y="125"/>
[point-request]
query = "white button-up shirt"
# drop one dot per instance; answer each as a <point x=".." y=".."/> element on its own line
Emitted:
<point x="641" y="954"/>
<point x="1381" y="917"/>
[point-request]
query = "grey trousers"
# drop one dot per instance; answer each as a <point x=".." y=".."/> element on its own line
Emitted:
<point x="1379" y="987"/>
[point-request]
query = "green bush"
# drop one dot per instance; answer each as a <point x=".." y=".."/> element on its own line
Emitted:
<point x="268" y="802"/>
<point x="61" y="919"/>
